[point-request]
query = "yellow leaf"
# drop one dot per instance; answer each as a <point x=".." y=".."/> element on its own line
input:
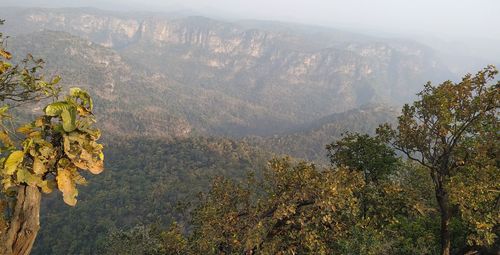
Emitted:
<point x="47" y="186"/>
<point x="96" y="167"/>
<point x="25" y="129"/>
<point x="14" y="159"/>
<point x="5" y="139"/>
<point x="39" y="121"/>
<point x="38" y="166"/>
<point x="66" y="185"/>
<point x="5" y="54"/>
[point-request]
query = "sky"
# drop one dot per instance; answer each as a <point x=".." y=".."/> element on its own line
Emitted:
<point x="445" y="18"/>
<point x="465" y="27"/>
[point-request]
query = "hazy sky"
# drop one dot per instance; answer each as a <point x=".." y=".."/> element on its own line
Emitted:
<point x="450" y="18"/>
<point x="477" y="17"/>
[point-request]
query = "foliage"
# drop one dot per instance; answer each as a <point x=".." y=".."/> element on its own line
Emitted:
<point x="173" y="241"/>
<point x="23" y="83"/>
<point x="147" y="181"/>
<point x="138" y="240"/>
<point x="360" y="152"/>
<point x="308" y="141"/>
<point x="393" y="199"/>
<point x="452" y="130"/>
<point x="56" y="145"/>
<point x="300" y="210"/>
<point x="45" y="154"/>
<point x="368" y="203"/>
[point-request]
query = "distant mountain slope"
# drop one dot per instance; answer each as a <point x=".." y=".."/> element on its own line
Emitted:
<point x="308" y="141"/>
<point x="240" y="78"/>
<point x="136" y="102"/>
<point x="125" y="99"/>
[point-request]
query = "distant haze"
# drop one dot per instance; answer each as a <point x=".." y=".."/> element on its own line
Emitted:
<point x="467" y="27"/>
<point x="448" y="17"/>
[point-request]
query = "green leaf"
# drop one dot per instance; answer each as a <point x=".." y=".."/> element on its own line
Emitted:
<point x="14" y="159"/>
<point x="69" y="119"/>
<point x="3" y="110"/>
<point x="82" y="95"/>
<point x="55" y="109"/>
<point x="56" y="80"/>
<point x="25" y="176"/>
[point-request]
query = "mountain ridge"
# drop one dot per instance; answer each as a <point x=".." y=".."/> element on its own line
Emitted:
<point x="225" y="78"/>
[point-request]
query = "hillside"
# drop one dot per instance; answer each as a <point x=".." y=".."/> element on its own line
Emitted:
<point x="214" y="133"/>
<point x="216" y="77"/>
<point x="308" y="141"/>
<point x="136" y="102"/>
<point x="146" y="181"/>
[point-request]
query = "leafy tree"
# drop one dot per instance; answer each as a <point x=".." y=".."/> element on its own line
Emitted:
<point x="172" y="174"/>
<point x="391" y="201"/>
<point x="376" y="161"/>
<point x="361" y="152"/>
<point x="42" y="155"/>
<point x="297" y="209"/>
<point x="452" y="131"/>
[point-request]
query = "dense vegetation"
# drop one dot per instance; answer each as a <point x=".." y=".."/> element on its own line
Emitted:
<point x="442" y="198"/>
<point x="425" y="182"/>
<point x="368" y="201"/>
<point x="308" y="141"/>
<point x="146" y="181"/>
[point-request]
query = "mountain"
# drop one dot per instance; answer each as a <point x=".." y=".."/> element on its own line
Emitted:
<point x="129" y="101"/>
<point x="308" y="141"/>
<point x="184" y="99"/>
<point x="195" y="74"/>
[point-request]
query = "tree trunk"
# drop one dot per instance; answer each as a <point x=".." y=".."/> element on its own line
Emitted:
<point x="444" y="209"/>
<point x="24" y="224"/>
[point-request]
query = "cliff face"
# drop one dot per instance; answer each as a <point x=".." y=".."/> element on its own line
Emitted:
<point x="262" y="75"/>
<point x="125" y="99"/>
<point x="293" y="74"/>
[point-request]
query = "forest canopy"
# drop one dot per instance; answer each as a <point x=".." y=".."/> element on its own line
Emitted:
<point x="427" y="185"/>
<point x="182" y="178"/>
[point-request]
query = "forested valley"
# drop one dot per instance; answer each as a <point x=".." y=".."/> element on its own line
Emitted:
<point x="149" y="133"/>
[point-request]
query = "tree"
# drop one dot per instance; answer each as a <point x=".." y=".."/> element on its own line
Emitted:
<point x="361" y="152"/>
<point x="43" y="155"/>
<point x="452" y="131"/>
<point x="297" y="209"/>
<point x="391" y="200"/>
<point x="374" y="159"/>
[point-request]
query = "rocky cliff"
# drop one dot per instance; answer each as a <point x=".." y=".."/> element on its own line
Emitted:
<point x="245" y="77"/>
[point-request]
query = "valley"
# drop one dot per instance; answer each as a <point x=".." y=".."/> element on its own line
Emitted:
<point x="195" y="74"/>
<point x="183" y="101"/>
